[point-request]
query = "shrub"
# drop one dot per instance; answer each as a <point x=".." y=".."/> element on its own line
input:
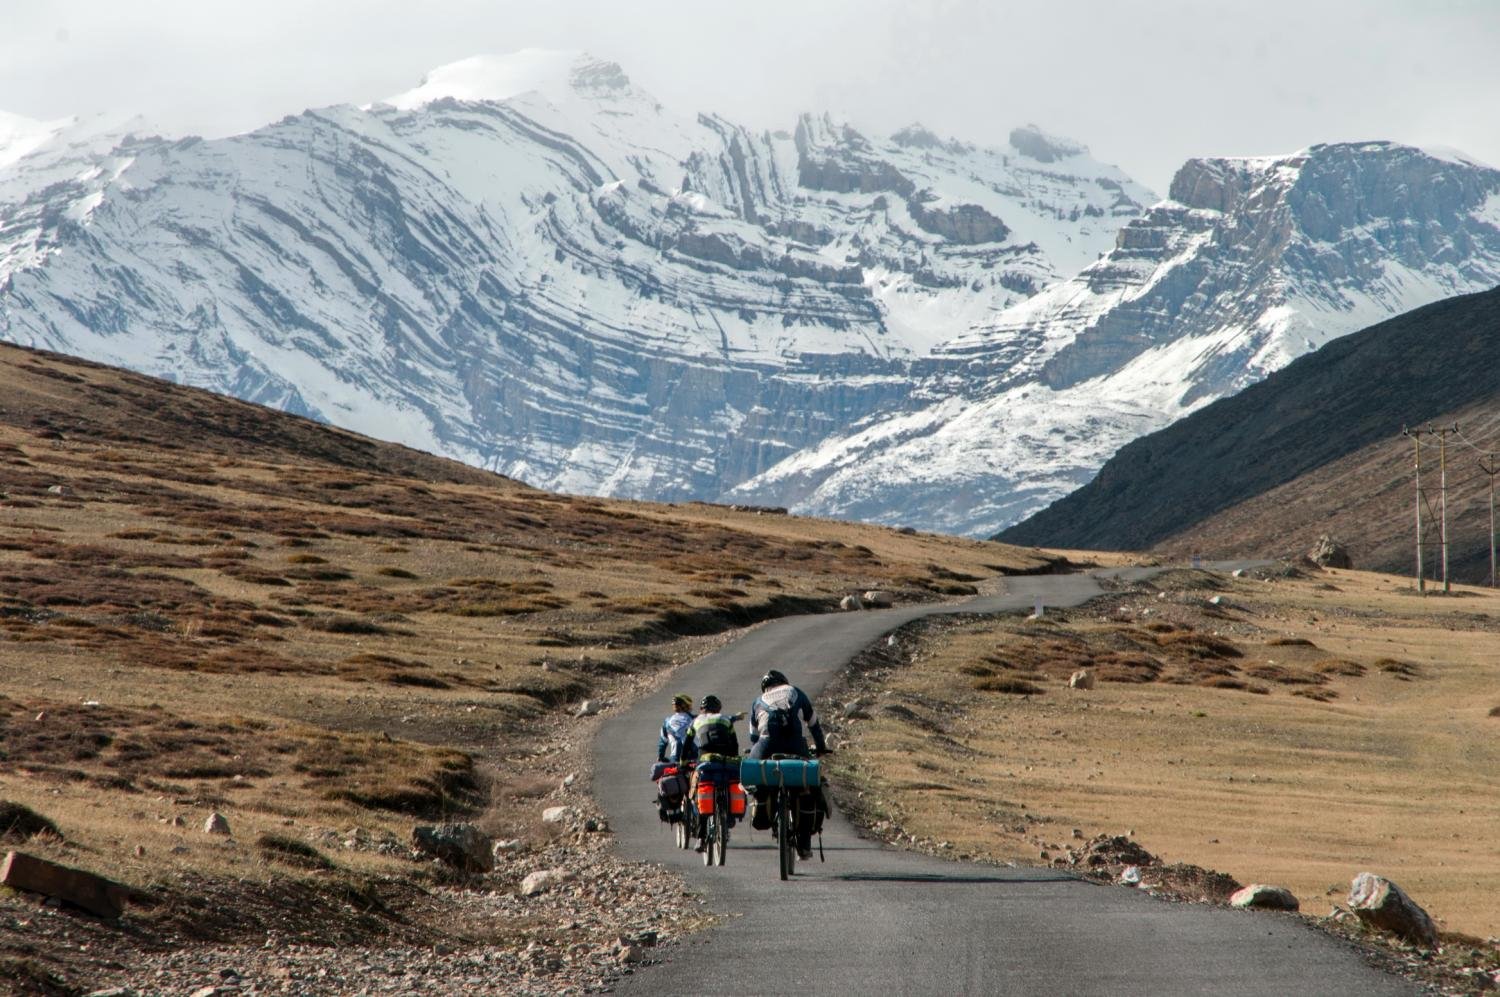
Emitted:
<point x="19" y="822"/>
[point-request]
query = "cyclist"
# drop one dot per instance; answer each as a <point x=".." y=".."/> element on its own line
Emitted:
<point x="776" y="720"/>
<point x="674" y="745"/>
<point x="717" y="748"/>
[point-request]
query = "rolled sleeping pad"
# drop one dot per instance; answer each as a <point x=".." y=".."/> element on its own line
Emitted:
<point x="794" y="773"/>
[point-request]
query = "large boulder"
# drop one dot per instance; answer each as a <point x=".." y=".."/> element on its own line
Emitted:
<point x="879" y="599"/>
<point x="461" y="846"/>
<point x="851" y="602"/>
<point x="1329" y="553"/>
<point x="1382" y="904"/>
<point x="1259" y="896"/>
<point x="1081" y="679"/>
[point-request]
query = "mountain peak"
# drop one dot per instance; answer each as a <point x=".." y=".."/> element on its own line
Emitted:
<point x="1031" y="141"/>
<point x="552" y="72"/>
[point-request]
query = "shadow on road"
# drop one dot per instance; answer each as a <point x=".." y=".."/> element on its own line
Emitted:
<point x="916" y="877"/>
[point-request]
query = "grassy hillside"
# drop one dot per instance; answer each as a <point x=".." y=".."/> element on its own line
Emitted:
<point x="205" y="605"/>
<point x="1348" y="401"/>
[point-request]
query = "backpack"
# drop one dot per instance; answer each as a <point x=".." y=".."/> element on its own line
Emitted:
<point x="779" y="724"/>
<point x="716" y="738"/>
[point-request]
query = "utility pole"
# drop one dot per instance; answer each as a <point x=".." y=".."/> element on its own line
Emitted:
<point x="1416" y="438"/>
<point x="1489" y="472"/>
<point x="1441" y="433"/>
<point x="1443" y="497"/>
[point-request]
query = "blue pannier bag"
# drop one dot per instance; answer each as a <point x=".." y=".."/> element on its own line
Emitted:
<point x="794" y="773"/>
<point x="716" y="773"/>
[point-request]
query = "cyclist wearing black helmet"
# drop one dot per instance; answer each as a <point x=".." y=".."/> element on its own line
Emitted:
<point x="717" y="749"/>
<point x="776" y="720"/>
<point x="712" y="732"/>
<point x="777" y="717"/>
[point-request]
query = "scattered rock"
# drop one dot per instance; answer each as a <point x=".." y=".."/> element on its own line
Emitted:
<point x="1259" y="896"/>
<point x="1115" y="850"/>
<point x="557" y="815"/>
<point x="877" y="599"/>
<point x="543" y="880"/>
<point x="510" y="846"/>
<point x="216" y="824"/>
<point x="1382" y="904"/>
<point x="851" y="602"/>
<point x="594" y="825"/>
<point x="462" y="846"/>
<point x="1081" y="679"/>
<point x="1329" y="553"/>
<point x="588" y="708"/>
<point x="857" y="709"/>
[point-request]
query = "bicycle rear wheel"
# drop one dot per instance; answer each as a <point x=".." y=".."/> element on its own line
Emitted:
<point x="785" y="837"/>
<point x="721" y="821"/>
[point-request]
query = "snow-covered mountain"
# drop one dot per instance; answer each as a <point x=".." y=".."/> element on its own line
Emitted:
<point x="1251" y="263"/>
<point x="529" y="264"/>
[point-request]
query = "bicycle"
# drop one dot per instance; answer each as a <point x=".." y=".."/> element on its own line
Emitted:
<point x="716" y="793"/>
<point x="793" y="805"/>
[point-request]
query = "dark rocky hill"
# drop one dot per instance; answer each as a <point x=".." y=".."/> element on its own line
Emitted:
<point x="1314" y="448"/>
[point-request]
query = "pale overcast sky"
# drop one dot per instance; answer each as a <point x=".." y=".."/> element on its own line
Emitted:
<point x="1145" y="84"/>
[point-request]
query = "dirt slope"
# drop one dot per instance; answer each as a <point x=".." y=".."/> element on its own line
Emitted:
<point x="205" y="605"/>
<point x="1314" y="448"/>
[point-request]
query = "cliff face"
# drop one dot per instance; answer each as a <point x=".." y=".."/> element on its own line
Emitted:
<point x="551" y="276"/>
<point x="1250" y="264"/>
<point x="536" y="268"/>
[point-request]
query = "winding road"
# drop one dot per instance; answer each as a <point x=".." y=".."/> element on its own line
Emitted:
<point x="876" y="920"/>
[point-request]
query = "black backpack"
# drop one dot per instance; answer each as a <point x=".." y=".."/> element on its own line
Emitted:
<point x="716" y="739"/>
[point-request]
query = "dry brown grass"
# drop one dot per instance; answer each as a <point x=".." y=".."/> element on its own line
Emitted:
<point x="1369" y="746"/>
<point x="310" y="630"/>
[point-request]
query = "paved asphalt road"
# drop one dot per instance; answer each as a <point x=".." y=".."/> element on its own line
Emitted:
<point x="876" y="920"/>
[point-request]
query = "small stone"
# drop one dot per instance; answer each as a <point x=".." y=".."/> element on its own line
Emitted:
<point x="1259" y="896"/>
<point x="216" y="824"/>
<point x="543" y="880"/>
<point x="1081" y="679"/>
<point x="878" y="599"/>
<point x="588" y="708"/>
<point x="139" y="851"/>
<point x="571" y="778"/>
<point x="557" y="815"/>
<point x="63" y="490"/>
<point x="851" y="602"/>
<point x="629" y="954"/>
<point x="178" y="821"/>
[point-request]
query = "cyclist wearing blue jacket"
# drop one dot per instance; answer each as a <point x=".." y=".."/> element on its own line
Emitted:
<point x="777" y="718"/>
<point x="674" y="744"/>
<point x="776" y="721"/>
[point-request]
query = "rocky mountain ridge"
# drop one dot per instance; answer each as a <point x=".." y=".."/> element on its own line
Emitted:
<point x="1250" y="264"/>
<point x="558" y="279"/>
<point x="1314" y="448"/>
<point x="529" y="264"/>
